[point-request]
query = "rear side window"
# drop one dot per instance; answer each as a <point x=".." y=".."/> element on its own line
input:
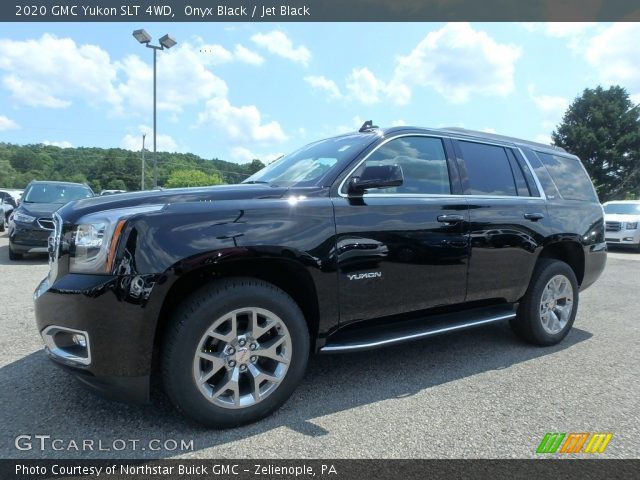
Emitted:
<point x="488" y="169"/>
<point x="570" y="178"/>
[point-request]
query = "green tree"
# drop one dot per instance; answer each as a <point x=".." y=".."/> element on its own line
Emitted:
<point x="602" y="127"/>
<point x="116" y="184"/>
<point x="254" y="166"/>
<point x="193" y="178"/>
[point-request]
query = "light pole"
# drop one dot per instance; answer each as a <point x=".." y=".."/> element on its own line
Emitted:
<point x="142" y="181"/>
<point x="165" y="42"/>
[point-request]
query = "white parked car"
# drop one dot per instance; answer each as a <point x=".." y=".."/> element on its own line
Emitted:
<point x="622" y="219"/>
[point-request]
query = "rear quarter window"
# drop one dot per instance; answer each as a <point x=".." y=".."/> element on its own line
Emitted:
<point x="569" y="176"/>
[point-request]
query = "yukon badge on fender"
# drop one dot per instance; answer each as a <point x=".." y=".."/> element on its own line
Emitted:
<point x="360" y="276"/>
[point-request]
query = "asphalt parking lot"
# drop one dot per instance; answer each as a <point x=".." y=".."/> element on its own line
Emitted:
<point x="479" y="393"/>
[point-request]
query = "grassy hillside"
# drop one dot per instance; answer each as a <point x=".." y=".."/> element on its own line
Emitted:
<point x="112" y="168"/>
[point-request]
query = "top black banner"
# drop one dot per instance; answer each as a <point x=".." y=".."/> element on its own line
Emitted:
<point x="318" y="10"/>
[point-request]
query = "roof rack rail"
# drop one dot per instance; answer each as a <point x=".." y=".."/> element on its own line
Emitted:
<point x="503" y="138"/>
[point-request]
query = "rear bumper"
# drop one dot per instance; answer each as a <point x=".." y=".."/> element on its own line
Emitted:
<point x="595" y="259"/>
<point x="119" y="335"/>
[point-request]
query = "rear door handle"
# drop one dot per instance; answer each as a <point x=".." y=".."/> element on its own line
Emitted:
<point x="534" y="217"/>
<point x="450" y="218"/>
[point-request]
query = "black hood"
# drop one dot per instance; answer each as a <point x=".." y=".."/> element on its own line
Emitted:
<point x="74" y="210"/>
<point x="38" y="210"/>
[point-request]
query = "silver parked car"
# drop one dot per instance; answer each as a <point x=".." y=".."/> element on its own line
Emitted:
<point x="622" y="221"/>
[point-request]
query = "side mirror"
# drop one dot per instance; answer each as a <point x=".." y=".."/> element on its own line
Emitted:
<point x="376" y="176"/>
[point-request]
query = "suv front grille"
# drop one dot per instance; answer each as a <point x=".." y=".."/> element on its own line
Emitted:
<point x="46" y="223"/>
<point x="614" y="226"/>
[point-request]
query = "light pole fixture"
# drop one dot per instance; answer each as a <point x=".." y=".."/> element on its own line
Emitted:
<point x="167" y="41"/>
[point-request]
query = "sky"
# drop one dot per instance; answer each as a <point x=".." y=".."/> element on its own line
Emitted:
<point x="239" y="91"/>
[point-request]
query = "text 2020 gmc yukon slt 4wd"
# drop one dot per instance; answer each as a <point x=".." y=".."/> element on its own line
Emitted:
<point x="354" y="242"/>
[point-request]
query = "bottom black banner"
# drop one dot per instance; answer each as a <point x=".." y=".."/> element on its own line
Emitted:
<point x="325" y="469"/>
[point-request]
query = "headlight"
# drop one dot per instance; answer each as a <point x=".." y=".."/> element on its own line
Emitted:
<point x="23" y="217"/>
<point x="95" y="239"/>
<point x="632" y="225"/>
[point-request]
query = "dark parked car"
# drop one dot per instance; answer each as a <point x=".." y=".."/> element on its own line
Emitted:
<point x="32" y="220"/>
<point x="8" y="203"/>
<point x="363" y="240"/>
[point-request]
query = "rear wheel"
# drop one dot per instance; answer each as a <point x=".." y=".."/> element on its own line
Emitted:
<point x="234" y="352"/>
<point x="548" y="309"/>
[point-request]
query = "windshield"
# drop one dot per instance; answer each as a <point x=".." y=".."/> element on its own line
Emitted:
<point x="310" y="165"/>
<point x="623" y="208"/>
<point x="55" y="193"/>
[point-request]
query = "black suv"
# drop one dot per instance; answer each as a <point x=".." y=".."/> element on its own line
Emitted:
<point x="32" y="220"/>
<point x="354" y="242"/>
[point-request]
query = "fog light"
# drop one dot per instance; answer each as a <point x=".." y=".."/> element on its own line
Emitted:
<point x="79" y="339"/>
<point x="628" y="239"/>
<point x="67" y="344"/>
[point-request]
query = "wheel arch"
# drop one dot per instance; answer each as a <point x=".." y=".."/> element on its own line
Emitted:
<point x="570" y="252"/>
<point x="287" y="274"/>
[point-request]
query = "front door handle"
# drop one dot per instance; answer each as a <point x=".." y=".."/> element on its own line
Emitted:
<point x="534" y="217"/>
<point x="450" y="218"/>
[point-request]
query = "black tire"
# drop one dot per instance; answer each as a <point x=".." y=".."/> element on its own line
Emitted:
<point x="195" y="316"/>
<point x="528" y="323"/>
<point x="13" y="255"/>
<point x="3" y="223"/>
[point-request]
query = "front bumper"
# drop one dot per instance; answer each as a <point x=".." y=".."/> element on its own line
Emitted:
<point x="119" y="332"/>
<point x="28" y="238"/>
<point x="623" y="237"/>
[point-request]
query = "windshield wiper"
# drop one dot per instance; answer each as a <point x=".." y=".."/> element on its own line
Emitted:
<point x="254" y="181"/>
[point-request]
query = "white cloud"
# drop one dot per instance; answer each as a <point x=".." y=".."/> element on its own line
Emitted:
<point x="245" y="55"/>
<point x="542" y="138"/>
<point x="277" y="43"/>
<point x="398" y="123"/>
<point x="549" y="104"/>
<point x="164" y="143"/>
<point x="183" y="79"/>
<point x="241" y="124"/>
<point x="488" y="130"/>
<point x="458" y="62"/>
<point x="53" y="72"/>
<point x="61" y="144"/>
<point x="363" y="85"/>
<point x="7" y="124"/>
<point x="614" y="55"/>
<point x="320" y="82"/>
<point x="244" y="155"/>
<point x="560" y="29"/>
<point x="215" y="54"/>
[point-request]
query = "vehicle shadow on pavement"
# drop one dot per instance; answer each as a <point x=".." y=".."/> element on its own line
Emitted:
<point x="38" y="398"/>
<point x="27" y="260"/>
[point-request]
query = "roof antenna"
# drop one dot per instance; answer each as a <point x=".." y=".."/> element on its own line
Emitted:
<point x="368" y="125"/>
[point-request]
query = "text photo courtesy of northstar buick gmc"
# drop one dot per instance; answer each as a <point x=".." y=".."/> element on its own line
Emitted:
<point x="363" y="240"/>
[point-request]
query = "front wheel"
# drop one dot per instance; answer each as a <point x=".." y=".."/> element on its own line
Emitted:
<point x="13" y="255"/>
<point x="234" y="352"/>
<point x="548" y="309"/>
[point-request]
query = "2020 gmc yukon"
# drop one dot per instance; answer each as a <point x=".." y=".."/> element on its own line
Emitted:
<point x="363" y="240"/>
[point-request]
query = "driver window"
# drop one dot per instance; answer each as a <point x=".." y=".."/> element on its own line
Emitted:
<point x="423" y="163"/>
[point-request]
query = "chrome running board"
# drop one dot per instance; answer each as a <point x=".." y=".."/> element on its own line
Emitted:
<point x="363" y="337"/>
